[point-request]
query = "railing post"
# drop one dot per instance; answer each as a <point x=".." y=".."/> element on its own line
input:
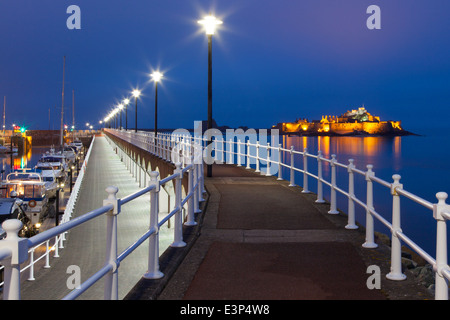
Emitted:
<point x="305" y="171"/>
<point x="248" y="155"/>
<point x="441" y="283"/>
<point x="292" y="174"/>
<point x="351" y="224"/>
<point x="257" y="157"/>
<point x="19" y="254"/>
<point x="280" y="177"/>
<point x="111" y="291"/>
<point x="47" y="254"/>
<point x="178" y="229"/>
<point x="396" y="246"/>
<point x="319" y="180"/>
<point x="370" y="237"/>
<point x="238" y="153"/>
<point x="197" y="191"/>
<point x="31" y="274"/>
<point x="268" y="160"/>
<point x="216" y="154"/>
<point x="153" y="248"/>
<point x="333" y="205"/>
<point x="190" y="221"/>
<point x="230" y="156"/>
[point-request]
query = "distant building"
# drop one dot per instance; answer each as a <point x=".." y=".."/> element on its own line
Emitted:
<point x="351" y="122"/>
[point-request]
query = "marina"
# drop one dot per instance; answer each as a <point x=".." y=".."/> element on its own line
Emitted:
<point x="40" y="180"/>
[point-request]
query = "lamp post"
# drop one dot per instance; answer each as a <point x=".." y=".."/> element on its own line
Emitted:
<point x="136" y="94"/>
<point x="125" y="103"/>
<point x="120" y="106"/>
<point x="156" y="76"/>
<point x="210" y="24"/>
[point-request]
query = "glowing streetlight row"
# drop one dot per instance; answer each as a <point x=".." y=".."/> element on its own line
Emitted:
<point x="210" y="24"/>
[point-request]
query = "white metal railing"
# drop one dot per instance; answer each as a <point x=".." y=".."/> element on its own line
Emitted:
<point x="247" y="151"/>
<point x="14" y="250"/>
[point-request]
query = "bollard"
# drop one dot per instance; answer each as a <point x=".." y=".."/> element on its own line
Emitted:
<point x="441" y="283"/>
<point x="178" y="229"/>
<point x="396" y="246"/>
<point x="351" y="225"/>
<point x="319" y="178"/>
<point x="153" y="247"/>
<point x="305" y="171"/>
<point x="370" y="238"/>
<point x="111" y="290"/>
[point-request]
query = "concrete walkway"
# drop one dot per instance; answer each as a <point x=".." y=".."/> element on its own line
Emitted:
<point x="264" y="240"/>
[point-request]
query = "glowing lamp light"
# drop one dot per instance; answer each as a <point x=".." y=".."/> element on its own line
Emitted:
<point x="210" y="24"/>
<point x="120" y="106"/>
<point x="126" y="101"/>
<point x="156" y="76"/>
<point x="136" y="93"/>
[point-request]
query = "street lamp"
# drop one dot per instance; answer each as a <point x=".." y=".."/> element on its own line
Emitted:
<point x="126" y="102"/>
<point x="136" y="94"/>
<point x="210" y="24"/>
<point x="156" y="76"/>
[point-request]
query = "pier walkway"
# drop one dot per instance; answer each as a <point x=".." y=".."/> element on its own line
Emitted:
<point x="85" y="245"/>
<point x="257" y="239"/>
<point x="263" y="240"/>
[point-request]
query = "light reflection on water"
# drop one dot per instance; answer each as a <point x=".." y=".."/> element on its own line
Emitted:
<point x="17" y="161"/>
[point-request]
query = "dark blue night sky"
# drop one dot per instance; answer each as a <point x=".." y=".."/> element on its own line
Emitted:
<point x="273" y="61"/>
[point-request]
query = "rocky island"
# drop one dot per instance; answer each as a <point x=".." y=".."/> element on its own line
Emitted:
<point x="351" y="123"/>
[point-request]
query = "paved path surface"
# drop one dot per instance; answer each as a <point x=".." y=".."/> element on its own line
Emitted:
<point x="262" y="239"/>
<point x="85" y="245"/>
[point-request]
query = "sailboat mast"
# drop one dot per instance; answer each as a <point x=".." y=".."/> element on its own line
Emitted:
<point x="4" y="115"/>
<point x="73" y="114"/>
<point x="62" y="107"/>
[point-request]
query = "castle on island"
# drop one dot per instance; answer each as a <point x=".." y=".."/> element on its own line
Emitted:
<point x="352" y="122"/>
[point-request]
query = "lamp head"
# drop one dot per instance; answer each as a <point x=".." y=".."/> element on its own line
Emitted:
<point x="126" y="101"/>
<point x="210" y="24"/>
<point x="136" y="93"/>
<point x="156" y="76"/>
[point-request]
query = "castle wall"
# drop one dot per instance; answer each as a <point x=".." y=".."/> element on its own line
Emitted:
<point x="343" y="128"/>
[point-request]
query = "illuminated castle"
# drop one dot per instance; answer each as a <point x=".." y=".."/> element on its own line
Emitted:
<point x="351" y="122"/>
